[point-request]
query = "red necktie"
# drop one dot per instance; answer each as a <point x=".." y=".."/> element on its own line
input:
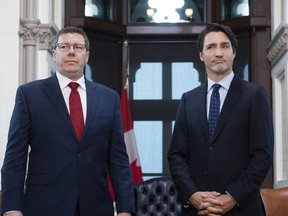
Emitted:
<point x="76" y="112"/>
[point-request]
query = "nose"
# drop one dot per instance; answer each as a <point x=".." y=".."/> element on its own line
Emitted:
<point x="71" y="46"/>
<point x="219" y="52"/>
<point x="71" y="51"/>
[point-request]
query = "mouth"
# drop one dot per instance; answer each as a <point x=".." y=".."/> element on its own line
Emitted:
<point x="219" y="61"/>
<point x="71" y="62"/>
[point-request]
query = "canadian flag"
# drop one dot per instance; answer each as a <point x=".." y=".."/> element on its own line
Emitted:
<point x="129" y="137"/>
<point x="130" y="141"/>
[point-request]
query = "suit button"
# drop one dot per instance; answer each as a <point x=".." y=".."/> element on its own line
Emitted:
<point x="205" y="173"/>
<point x="211" y="148"/>
<point x="79" y="155"/>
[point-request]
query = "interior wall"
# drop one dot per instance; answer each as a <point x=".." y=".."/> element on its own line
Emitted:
<point x="9" y="55"/>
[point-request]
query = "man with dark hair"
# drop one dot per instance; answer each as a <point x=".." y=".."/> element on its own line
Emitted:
<point x="222" y="144"/>
<point x="73" y="130"/>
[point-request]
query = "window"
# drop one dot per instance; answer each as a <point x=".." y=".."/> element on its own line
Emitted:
<point x="101" y="9"/>
<point x="166" y="11"/>
<point x="234" y="8"/>
<point x="157" y="79"/>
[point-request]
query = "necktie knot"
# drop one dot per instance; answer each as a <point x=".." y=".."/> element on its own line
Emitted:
<point x="73" y="85"/>
<point x="216" y="87"/>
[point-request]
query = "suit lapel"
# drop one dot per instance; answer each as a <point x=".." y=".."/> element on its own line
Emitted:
<point x="53" y="91"/>
<point x="203" y="110"/>
<point x="229" y="103"/>
<point x="92" y="103"/>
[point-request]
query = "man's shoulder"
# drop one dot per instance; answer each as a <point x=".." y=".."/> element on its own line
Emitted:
<point x="248" y="85"/>
<point x="197" y="90"/>
<point x="38" y="83"/>
<point x="100" y="87"/>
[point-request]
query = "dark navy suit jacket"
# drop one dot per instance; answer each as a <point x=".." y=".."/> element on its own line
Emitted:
<point x="238" y="157"/>
<point x="60" y="170"/>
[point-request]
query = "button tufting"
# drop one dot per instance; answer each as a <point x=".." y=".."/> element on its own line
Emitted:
<point x="157" y="196"/>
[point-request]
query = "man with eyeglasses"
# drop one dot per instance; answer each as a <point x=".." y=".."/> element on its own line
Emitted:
<point x="72" y="146"/>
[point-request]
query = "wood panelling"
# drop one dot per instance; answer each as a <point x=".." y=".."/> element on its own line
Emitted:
<point x="107" y="38"/>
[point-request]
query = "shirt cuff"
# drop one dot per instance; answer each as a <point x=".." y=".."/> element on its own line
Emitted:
<point x="227" y="193"/>
<point x="9" y="212"/>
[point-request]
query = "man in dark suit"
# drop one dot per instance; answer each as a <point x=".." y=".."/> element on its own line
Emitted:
<point x="67" y="166"/>
<point x="219" y="172"/>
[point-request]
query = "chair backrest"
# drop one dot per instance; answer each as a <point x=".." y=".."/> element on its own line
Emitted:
<point x="157" y="197"/>
<point x="275" y="201"/>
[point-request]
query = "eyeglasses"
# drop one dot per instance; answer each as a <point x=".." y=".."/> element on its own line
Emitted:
<point x="64" y="47"/>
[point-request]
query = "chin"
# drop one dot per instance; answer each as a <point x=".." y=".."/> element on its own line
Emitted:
<point x="221" y="70"/>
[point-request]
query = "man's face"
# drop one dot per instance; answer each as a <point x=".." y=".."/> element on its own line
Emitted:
<point x="217" y="54"/>
<point x="71" y="62"/>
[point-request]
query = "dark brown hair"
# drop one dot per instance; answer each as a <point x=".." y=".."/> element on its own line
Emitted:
<point x="215" y="27"/>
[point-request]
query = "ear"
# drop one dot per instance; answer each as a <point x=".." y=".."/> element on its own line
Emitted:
<point x="200" y="56"/>
<point x="87" y="56"/>
<point x="54" y="55"/>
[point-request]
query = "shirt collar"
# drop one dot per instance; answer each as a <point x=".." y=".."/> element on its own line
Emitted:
<point x="64" y="81"/>
<point x="225" y="82"/>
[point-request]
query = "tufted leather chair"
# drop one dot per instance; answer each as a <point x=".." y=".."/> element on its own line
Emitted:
<point x="157" y="197"/>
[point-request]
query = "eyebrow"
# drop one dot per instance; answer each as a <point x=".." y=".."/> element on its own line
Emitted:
<point x="226" y="43"/>
<point x="69" y="43"/>
<point x="222" y="43"/>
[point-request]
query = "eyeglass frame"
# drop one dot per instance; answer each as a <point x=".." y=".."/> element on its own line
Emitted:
<point x="67" y="47"/>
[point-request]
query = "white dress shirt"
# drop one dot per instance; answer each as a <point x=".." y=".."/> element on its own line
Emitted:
<point x="225" y="85"/>
<point x="65" y="89"/>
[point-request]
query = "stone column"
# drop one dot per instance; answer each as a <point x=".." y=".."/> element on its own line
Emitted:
<point x="35" y="39"/>
<point x="28" y="32"/>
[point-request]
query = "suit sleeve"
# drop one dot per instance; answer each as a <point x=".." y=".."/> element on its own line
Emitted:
<point x="261" y="144"/>
<point x="14" y="166"/>
<point x="178" y="155"/>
